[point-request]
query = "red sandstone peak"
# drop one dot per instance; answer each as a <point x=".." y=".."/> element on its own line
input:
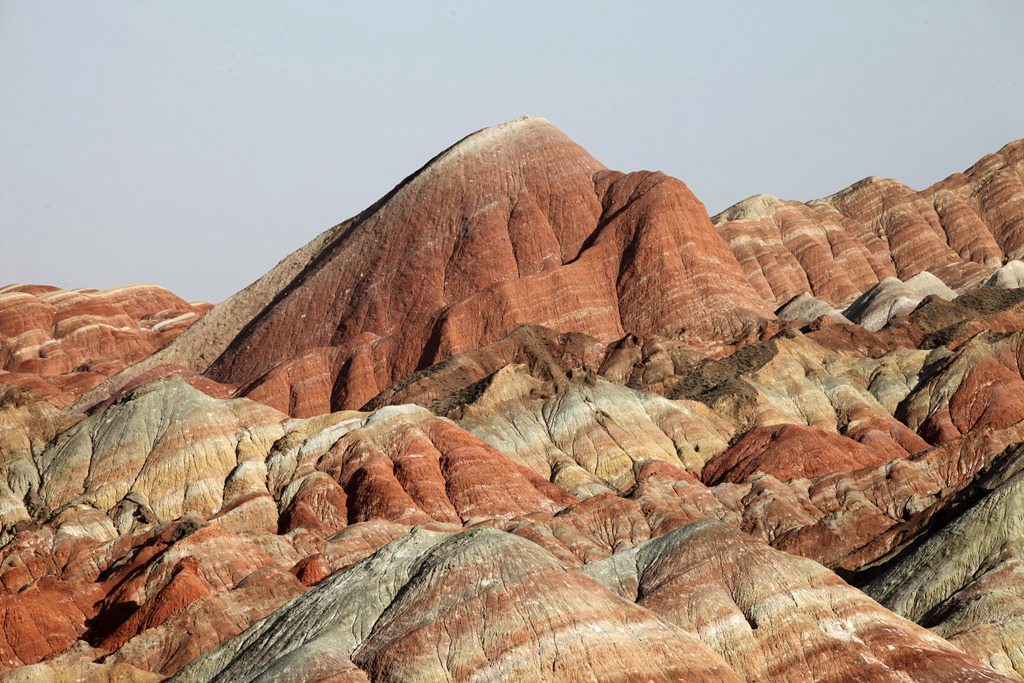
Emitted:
<point x="513" y="224"/>
<point x="656" y="484"/>
<point x="62" y="343"/>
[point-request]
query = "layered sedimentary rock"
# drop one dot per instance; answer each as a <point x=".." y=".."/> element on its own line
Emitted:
<point x="838" y="247"/>
<point x="757" y="607"/>
<point x="963" y="581"/>
<point x="806" y="307"/>
<point x="503" y="607"/>
<point x="161" y="507"/>
<point x="61" y="343"/>
<point x="1009" y="276"/>
<point x="147" y="459"/>
<point x="168" y="450"/>
<point x="589" y="435"/>
<point x="486" y="242"/>
<point x="475" y="243"/>
<point x="261" y="493"/>
<point x="890" y="298"/>
<point x="772" y="450"/>
<point x="585" y="448"/>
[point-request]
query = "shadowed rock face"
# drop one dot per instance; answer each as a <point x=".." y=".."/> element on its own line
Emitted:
<point x="585" y="450"/>
<point x="964" y="580"/>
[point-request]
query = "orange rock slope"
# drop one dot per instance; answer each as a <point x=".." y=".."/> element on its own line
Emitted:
<point x="62" y="343"/>
<point x="585" y="448"/>
<point x="838" y="247"/>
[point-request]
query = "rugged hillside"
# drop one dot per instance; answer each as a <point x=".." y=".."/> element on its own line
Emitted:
<point x="514" y="224"/>
<point x="62" y="343"/>
<point x="838" y="247"/>
<point x="171" y="513"/>
<point x="517" y="224"/>
<point x="585" y="448"/>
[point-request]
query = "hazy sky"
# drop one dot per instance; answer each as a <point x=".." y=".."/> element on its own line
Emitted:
<point x="195" y="144"/>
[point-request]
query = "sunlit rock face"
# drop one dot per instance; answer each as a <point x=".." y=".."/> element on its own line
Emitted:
<point x="838" y="247"/>
<point x="514" y="224"/>
<point x="62" y="343"/>
<point x="508" y="609"/>
<point x="527" y="418"/>
<point x="481" y="240"/>
<point x="773" y="616"/>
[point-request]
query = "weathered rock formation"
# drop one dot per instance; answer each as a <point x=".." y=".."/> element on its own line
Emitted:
<point x="1009" y="276"/>
<point x="477" y="242"/>
<point x="503" y="607"/>
<point x="805" y="307"/>
<point x="527" y="418"/>
<point x="890" y="298"/>
<point x="757" y="607"/>
<point x="838" y="247"/>
<point x="62" y="343"/>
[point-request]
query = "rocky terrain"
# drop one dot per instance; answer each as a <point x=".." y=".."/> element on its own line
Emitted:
<point x="835" y="248"/>
<point x="528" y="418"/>
<point x="62" y="343"/>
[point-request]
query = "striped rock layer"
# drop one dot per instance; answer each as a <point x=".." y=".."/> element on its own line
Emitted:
<point x="838" y="247"/>
<point x="527" y="418"/>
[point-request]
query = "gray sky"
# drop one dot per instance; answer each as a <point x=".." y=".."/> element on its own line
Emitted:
<point x="195" y="144"/>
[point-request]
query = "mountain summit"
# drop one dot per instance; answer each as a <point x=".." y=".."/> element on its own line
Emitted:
<point x="513" y="224"/>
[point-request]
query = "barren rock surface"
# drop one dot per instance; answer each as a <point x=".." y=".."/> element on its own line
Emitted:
<point x="503" y="607"/>
<point x="477" y="242"/>
<point x="754" y="605"/>
<point x="840" y="246"/>
<point x="889" y="298"/>
<point x="62" y="343"/>
<point x="528" y="418"/>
